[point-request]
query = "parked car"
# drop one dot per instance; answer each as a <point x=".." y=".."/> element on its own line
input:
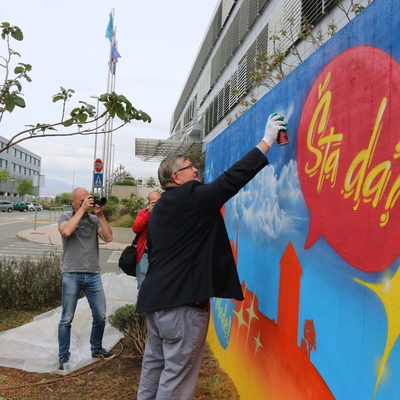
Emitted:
<point x="31" y="206"/>
<point x="38" y="206"/>
<point x="23" y="207"/>
<point x="6" y="206"/>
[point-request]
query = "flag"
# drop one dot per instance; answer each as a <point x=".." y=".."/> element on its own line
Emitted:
<point x="110" y="28"/>
<point x="114" y="57"/>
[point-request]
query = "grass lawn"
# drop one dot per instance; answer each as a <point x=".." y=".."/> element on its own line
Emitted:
<point x="116" y="379"/>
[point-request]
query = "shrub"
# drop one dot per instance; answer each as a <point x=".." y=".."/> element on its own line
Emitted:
<point x="110" y="209"/>
<point x="132" y="325"/>
<point x="30" y="285"/>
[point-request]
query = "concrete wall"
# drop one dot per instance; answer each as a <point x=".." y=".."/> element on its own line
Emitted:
<point x="316" y="233"/>
<point x="123" y="192"/>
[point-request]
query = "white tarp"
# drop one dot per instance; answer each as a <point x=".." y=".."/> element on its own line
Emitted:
<point x="33" y="347"/>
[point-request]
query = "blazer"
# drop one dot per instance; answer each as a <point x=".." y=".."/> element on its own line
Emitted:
<point x="190" y="257"/>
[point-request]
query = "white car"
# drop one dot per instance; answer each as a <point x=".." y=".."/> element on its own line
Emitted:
<point x="38" y="206"/>
<point x="30" y="205"/>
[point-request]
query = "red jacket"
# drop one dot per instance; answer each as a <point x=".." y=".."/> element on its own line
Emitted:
<point x="140" y="228"/>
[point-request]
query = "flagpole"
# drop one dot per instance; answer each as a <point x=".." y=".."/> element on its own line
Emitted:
<point x="112" y="74"/>
<point x="106" y="138"/>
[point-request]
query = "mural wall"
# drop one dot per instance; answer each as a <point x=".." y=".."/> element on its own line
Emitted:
<point x="316" y="235"/>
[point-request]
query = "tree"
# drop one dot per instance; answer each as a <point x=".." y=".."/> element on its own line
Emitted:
<point x="151" y="182"/>
<point x="122" y="177"/>
<point x="134" y="204"/>
<point x="82" y="120"/>
<point x="63" y="198"/>
<point x="24" y="187"/>
<point x="4" y="175"/>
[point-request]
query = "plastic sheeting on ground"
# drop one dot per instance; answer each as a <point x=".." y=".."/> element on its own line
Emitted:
<point x="33" y="347"/>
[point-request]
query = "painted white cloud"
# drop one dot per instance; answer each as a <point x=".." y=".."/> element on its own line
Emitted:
<point x="268" y="203"/>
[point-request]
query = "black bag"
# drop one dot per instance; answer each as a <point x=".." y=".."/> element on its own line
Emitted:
<point x="127" y="260"/>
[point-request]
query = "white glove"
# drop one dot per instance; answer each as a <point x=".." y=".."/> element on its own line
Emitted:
<point x="275" y="123"/>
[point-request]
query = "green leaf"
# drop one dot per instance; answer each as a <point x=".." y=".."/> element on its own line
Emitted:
<point x="57" y="98"/>
<point x="18" y="70"/>
<point x="19" y="101"/>
<point x="17" y="34"/>
<point x="68" y="122"/>
<point x="27" y="78"/>
<point x="82" y="117"/>
<point x="9" y="103"/>
<point x="17" y="84"/>
<point x="121" y="112"/>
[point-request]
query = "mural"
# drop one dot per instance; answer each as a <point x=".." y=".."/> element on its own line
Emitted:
<point x="316" y="234"/>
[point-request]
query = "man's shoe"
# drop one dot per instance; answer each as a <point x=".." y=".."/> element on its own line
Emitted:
<point x="62" y="360"/>
<point x="103" y="353"/>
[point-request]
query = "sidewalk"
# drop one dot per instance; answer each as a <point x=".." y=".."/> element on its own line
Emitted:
<point x="49" y="234"/>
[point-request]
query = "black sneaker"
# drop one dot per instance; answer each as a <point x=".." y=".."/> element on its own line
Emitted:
<point x="102" y="353"/>
<point x="62" y="360"/>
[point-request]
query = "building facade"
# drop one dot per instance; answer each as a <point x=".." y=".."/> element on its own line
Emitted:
<point x="243" y="38"/>
<point x="21" y="164"/>
<point x="243" y="35"/>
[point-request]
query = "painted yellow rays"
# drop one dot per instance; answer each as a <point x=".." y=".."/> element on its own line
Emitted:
<point x="389" y="293"/>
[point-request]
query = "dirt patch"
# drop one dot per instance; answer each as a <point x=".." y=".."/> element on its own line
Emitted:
<point x="116" y="379"/>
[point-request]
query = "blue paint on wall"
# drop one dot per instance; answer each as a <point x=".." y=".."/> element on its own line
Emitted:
<point x="270" y="212"/>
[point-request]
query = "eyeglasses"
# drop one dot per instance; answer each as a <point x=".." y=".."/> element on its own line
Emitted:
<point x="182" y="169"/>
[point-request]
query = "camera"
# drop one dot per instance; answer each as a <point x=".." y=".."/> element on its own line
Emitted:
<point x="100" y="201"/>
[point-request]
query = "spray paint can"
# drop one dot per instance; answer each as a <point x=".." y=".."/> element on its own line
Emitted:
<point x="282" y="138"/>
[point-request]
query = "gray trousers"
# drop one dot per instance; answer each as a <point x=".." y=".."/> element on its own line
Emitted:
<point x="173" y="353"/>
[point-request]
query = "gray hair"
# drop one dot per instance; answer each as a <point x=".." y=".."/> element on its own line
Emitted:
<point x="167" y="167"/>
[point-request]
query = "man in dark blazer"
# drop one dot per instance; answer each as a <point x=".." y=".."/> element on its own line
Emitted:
<point x="190" y="260"/>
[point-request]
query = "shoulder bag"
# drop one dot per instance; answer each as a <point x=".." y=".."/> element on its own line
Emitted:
<point x="127" y="260"/>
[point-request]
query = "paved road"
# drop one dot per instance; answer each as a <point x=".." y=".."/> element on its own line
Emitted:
<point x="13" y="247"/>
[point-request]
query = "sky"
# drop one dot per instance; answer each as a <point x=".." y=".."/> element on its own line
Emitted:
<point x="65" y="43"/>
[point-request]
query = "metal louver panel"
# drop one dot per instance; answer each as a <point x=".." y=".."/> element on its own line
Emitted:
<point x="233" y="97"/>
<point x="262" y="41"/>
<point x="253" y="10"/>
<point x="204" y="84"/>
<point x="227" y="6"/>
<point x="242" y="77"/>
<point x="251" y="61"/>
<point x="227" y="93"/>
<point x="244" y="19"/>
<point x="291" y="22"/>
<point x="215" y="111"/>
<point x="313" y="10"/>
<point x="262" y="4"/>
<point x="234" y="34"/>
<point x="220" y="104"/>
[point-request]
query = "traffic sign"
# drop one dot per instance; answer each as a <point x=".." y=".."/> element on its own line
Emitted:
<point x="98" y="165"/>
<point x="98" y="180"/>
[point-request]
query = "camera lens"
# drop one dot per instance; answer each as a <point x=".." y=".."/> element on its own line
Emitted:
<point x="101" y="201"/>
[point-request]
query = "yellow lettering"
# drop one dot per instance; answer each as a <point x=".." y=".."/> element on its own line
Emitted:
<point x="354" y="181"/>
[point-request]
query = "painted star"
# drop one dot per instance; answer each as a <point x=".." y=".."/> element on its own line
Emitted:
<point x="389" y="293"/>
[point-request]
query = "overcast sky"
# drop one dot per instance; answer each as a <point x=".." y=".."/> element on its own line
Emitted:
<point x="65" y="43"/>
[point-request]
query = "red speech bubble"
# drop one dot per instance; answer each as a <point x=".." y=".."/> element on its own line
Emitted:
<point x="348" y="157"/>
